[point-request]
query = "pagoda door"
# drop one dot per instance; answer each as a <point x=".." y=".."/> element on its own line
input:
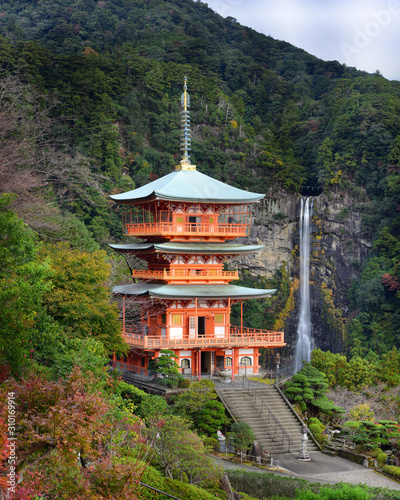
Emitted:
<point x="201" y="326"/>
<point x="192" y="327"/>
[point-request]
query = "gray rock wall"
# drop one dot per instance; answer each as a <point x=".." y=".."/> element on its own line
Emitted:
<point x="339" y="247"/>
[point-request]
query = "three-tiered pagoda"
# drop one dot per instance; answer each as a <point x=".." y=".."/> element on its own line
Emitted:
<point x="187" y="221"/>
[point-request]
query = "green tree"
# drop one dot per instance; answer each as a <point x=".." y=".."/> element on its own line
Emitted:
<point x="181" y="453"/>
<point x="242" y="436"/>
<point x="308" y="389"/>
<point x="79" y="300"/>
<point x="212" y="417"/>
<point x="193" y="400"/>
<point x="24" y="281"/>
<point x="165" y="363"/>
<point x="358" y="374"/>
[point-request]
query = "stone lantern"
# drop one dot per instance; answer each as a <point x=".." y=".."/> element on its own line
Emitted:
<point x="304" y="456"/>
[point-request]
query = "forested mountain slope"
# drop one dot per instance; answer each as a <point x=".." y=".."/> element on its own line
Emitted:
<point x="89" y="103"/>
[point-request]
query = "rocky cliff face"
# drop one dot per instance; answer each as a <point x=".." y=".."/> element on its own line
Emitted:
<point x="339" y="247"/>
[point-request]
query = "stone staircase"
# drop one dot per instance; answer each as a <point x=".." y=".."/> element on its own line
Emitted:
<point x="251" y="405"/>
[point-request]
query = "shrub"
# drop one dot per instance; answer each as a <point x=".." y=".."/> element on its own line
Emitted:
<point x="362" y="412"/>
<point x="375" y="452"/>
<point x="184" y="383"/>
<point x="270" y="485"/>
<point x="398" y="444"/>
<point x="382" y="457"/>
<point x="242" y="436"/>
<point x="154" y="478"/>
<point x="211" y="417"/>
<point x="211" y="443"/>
<point x="320" y="438"/>
<point x="315" y="429"/>
<point x="352" y="424"/>
<point x="392" y="470"/>
<point x="314" y="420"/>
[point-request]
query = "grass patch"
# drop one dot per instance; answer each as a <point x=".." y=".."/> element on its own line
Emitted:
<point x="267" y="381"/>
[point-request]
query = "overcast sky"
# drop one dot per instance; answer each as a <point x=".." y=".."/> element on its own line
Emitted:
<point x="360" y="33"/>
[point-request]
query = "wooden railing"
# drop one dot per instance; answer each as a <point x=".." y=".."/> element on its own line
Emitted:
<point x="195" y="229"/>
<point x="259" y="338"/>
<point x="187" y="274"/>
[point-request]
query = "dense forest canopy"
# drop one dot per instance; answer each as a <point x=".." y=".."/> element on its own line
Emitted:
<point x="89" y="99"/>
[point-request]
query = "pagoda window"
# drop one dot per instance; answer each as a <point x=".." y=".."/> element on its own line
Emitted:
<point x="228" y="361"/>
<point x="245" y="361"/>
<point x="185" y="363"/>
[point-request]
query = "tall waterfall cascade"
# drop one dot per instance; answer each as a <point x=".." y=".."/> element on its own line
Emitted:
<point x="304" y="342"/>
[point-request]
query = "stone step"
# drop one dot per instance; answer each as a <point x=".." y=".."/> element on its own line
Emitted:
<point x="242" y="406"/>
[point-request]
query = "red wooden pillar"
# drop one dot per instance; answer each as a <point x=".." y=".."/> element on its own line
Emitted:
<point x="241" y="318"/>
<point x="233" y="363"/>
<point x="229" y="316"/>
<point x="199" y="363"/>
<point x="123" y="314"/>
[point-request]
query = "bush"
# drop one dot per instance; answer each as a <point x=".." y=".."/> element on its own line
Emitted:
<point x="270" y="485"/>
<point x="392" y="470"/>
<point x="362" y="412"/>
<point x="398" y="444"/>
<point x="211" y="443"/>
<point x="154" y="478"/>
<point x="320" y="438"/>
<point x="375" y="452"/>
<point x="382" y="457"/>
<point x="242" y="436"/>
<point x="314" y="420"/>
<point x="315" y="429"/>
<point x="352" y="424"/>
<point x="184" y="383"/>
<point x="130" y="392"/>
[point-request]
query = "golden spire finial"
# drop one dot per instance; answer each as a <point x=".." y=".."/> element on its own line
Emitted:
<point x="185" y="131"/>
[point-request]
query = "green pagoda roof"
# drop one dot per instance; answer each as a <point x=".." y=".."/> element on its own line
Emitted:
<point x="190" y="248"/>
<point x="192" y="291"/>
<point x="188" y="185"/>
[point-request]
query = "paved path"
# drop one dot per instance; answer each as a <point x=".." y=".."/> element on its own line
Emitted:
<point x="322" y="469"/>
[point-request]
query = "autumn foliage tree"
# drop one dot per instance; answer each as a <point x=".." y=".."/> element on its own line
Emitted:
<point x="71" y="443"/>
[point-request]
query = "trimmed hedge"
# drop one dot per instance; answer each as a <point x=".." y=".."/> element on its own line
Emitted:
<point x="392" y="470"/>
<point x="186" y="491"/>
<point x="315" y="429"/>
<point x="375" y="452"/>
<point x="320" y="437"/>
<point x="382" y="457"/>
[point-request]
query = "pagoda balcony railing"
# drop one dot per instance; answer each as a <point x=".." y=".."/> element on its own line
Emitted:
<point x="186" y="274"/>
<point x="180" y="229"/>
<point x="237" y="337"/>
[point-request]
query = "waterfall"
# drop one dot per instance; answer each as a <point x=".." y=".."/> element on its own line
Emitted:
<point x="304" y="329"/>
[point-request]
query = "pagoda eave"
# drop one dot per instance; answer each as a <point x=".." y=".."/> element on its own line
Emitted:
<point x="175" y="247"/>
<point x="161" y="291"/>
